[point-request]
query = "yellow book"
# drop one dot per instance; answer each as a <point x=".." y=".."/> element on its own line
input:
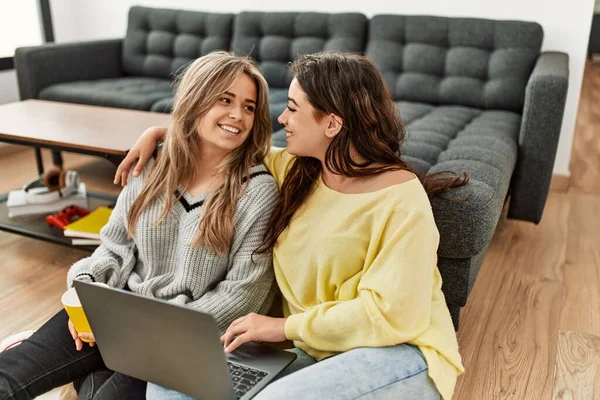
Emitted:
<point x="90" y="225"/>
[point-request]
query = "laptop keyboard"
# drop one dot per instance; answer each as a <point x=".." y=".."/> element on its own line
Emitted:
<point x="244" y="378"/>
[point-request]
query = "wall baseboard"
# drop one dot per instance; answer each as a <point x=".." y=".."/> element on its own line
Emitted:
<point x="559" y="183"/>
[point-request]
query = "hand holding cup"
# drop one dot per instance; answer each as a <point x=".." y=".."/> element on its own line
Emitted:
<point x="79" y="326"/>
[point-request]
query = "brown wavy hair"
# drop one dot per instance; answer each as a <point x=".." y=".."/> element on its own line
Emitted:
<point x="351" y="87"/>
<point x="200" y="86"/>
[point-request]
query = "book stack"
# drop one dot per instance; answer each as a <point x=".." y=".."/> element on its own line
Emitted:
<point x="18" y="205"/>
<point x="86" y="230"/>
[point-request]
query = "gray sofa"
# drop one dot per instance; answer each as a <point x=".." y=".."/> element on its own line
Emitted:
<point x="477" y="96"/>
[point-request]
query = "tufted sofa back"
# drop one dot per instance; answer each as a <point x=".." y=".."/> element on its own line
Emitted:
<point x="274" y="39"/>
<point x="455" y="61"/>
<point x="435" y="60"/>
<point x="160" y="41"/>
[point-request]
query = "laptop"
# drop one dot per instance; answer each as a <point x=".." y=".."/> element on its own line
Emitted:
<point x="174" y="346"/>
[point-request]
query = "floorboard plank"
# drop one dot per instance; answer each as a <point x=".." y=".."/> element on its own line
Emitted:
<point x="580" y="310"/>
<point x="577" y="367"/>
<point x="510" y="324"/>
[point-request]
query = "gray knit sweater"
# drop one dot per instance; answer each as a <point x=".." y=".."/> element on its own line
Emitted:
<point x="160" y="262"/>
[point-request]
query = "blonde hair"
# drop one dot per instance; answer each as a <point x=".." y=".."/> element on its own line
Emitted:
<point x="198" y="89"/>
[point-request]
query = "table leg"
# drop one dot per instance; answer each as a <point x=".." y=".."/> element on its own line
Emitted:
<point x="38" y="160"/>
<point x="114" y="159"/>
<point x="57" y="158"/>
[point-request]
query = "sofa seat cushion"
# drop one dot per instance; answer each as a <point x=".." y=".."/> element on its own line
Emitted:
<point x="164" y="105"/>
<point x="482" y="143"/>
<point x="136" y="93"/>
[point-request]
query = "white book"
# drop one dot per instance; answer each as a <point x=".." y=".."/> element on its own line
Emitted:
<point x="81" y="235"/>
<point x="17" y="204"/>
<point x="86" y="242"/>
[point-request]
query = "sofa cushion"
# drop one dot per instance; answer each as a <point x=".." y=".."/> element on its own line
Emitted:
<point x="278" y="138"/>
<point x="464" y="61"/>
<point x="164" y="105"/>
<point x="460" y="139"/>
<point x="159" y="42"/>
<point x="277" y="103"/>
<point x="129" y="92"/>
<point x="276" y="38"/>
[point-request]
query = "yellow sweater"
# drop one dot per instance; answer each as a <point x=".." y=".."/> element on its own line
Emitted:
<point x="360" y="270"/>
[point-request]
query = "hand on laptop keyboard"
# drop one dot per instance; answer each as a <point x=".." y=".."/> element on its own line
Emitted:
<point x="253" y="328"/>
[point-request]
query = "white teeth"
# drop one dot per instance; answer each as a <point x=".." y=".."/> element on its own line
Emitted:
<point x="230" y="128"/>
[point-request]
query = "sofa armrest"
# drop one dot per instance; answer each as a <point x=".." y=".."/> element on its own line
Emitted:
<point x="41" y="66"/>
<point x="545" y="97"/>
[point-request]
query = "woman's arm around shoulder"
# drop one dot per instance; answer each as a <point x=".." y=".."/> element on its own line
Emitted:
<point x="279" y="162"/>
<point x="141" y="152"/>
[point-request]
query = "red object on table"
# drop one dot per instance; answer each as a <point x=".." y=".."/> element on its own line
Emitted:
<point x="66" y="216"/>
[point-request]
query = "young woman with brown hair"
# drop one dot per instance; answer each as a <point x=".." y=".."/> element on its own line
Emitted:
<point x="355" y="246"/>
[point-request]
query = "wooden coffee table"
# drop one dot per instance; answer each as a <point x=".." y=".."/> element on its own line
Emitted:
<point x="99" y="131"/>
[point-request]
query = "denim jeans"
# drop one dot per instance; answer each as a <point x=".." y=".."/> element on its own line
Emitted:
<point x="382" y="373"/>
<point x="48" y="359"/>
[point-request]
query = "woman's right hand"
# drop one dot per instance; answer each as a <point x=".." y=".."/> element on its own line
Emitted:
<point x="76" y="338"/>
<point x="141" y="151"/>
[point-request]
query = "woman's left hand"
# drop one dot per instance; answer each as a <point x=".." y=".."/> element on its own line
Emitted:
<point x="253" y="328"/>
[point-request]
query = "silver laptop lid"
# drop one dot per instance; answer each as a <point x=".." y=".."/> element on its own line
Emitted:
<point x="124" y="320"/>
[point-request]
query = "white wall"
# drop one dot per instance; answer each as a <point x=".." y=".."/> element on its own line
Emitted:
<point x="65" y="21"/>
<point x="8" y="87"/>
<point x="566" y="26"/>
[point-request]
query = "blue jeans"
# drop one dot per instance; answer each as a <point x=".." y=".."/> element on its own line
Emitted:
<point x="396" y="372"/>
<point x="48" y="359"/>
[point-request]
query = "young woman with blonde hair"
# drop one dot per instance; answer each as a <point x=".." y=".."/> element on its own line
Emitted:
<point x="185" y="230"/>
<point x="355" y="246"/>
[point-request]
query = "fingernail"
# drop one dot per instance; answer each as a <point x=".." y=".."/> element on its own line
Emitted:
<point x="135" y="173"/>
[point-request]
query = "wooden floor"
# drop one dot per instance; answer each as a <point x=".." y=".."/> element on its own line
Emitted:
<point x="530" y="330"/>
<point x="531" y="327"/>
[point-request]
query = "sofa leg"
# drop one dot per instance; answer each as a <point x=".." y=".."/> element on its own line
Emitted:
<point x="455" y="314"/>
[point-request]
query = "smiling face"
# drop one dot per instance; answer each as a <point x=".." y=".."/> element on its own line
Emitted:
<point x="228" y="123"/>
<point x="305" y="133"/>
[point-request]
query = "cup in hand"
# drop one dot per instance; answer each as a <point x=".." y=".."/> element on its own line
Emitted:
<point x="73" y="307"/>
